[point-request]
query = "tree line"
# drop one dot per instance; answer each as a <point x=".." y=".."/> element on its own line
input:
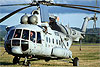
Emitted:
<point x="92" y="38"/>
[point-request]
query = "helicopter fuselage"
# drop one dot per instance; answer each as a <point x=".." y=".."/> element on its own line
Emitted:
<point x="18" y="42"/>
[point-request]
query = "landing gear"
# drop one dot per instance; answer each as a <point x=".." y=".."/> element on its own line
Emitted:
<point x="47" y="60"/>
<point x="16" y="60"/>
<point x="75" y="61"/>
<point x="27" y="63"/>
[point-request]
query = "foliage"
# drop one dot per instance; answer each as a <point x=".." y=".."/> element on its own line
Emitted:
<point x="92" y="38"/>
<point x="89" y="56"/>
<point x="2" y="32"/>
<point x="91" y="35"/>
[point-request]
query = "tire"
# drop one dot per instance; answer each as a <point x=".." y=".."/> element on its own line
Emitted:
<point x="47" y="60"/>
<point x="29" y="64"/>
<point x="76" y="61"/>
<point x="16" y="60"/>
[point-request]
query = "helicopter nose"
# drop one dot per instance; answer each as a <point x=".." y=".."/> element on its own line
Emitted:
<point x="16" y="50"/>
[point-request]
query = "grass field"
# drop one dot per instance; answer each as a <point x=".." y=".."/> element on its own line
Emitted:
<point x="1" y="43"/>
<point x="89" y="57"/>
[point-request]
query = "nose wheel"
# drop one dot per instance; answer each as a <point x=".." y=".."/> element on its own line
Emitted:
<point x="16" y="60"/>
<point x="75" y="61"/>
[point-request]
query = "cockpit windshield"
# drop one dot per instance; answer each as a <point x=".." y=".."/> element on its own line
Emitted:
<point x="10" y="34"/>
<point x="25" y="34"/>
<point x="17" y="33"/>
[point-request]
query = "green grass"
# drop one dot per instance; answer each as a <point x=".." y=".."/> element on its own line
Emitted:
<point x="1" y="42"/>
<point x="86" y="44"/>
<point x="89" y="57"/>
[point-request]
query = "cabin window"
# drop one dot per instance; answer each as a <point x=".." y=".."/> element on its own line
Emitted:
<point x="38" y="37"/>
<point x="53" y="41"/>
<point x="67" y="44"/>
<point x="17" y="33"/>
<point x="47" y="39"/>
<point x="10" y="34"/>
<point x="56" y="41"/>
<point x="32" y="36"/>
<point x="59" y="42"/>
<point x="25" y="34"/>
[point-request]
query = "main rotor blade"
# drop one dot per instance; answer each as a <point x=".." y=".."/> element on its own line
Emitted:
<point x="52" y="3"/>
<point x="15" y="4"/>
<point x="69" y="6"/>
<point x="81" y="5"/>
<point x="14" y="12"/>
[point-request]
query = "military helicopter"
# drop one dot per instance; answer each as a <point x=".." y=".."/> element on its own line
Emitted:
<point x="40" y="36"/>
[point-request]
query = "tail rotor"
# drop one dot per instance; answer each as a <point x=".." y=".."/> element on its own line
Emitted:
<point x="94" y="19"/>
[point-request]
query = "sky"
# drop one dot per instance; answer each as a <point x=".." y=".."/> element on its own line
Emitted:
<point x="73" y="17"/>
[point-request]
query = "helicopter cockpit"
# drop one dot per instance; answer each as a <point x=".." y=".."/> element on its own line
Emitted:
<point x="22" y="38"/>
<point x="23" y="34"/>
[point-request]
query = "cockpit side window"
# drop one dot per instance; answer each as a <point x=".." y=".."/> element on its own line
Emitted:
<point x="25" y="34"/>
<point x="17" y="33"/>
<point x="10" y="34"/>
<point x="32" y="36"/>
<point x="38" y="37"/>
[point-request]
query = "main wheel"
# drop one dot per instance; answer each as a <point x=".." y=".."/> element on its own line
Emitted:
<point x="28" y="64"/>
<point x="76" y="61"/>
<point x="16" y="60"/>
<point x="47" y="60"/>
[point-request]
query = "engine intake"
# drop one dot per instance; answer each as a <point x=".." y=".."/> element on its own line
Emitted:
<point x="33" y="19"/>
<point x="24" y="19"/>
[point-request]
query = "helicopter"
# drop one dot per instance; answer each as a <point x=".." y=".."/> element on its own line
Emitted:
<point x="40" y="36"/>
